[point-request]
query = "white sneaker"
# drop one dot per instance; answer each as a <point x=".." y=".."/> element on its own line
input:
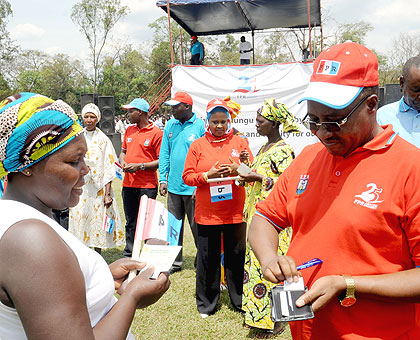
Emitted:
<point x="204" y="315"/>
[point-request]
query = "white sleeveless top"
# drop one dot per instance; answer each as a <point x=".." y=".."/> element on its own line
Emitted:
<point x="99" y="283"/>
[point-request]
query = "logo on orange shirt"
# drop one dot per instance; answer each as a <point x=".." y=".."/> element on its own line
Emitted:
<point x="369" y="198"/>
<point x="235" y="153"/>
<point x="147" y="142"/>
<point x="303" y="183"/>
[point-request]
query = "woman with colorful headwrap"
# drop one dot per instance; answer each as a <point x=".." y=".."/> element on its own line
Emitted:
<point x="234" y="111"/>
<point x="216" y="155"/>
<point x="272" y="159"/>
<point x="51" y="285"/>
<point x="97" y="203"/>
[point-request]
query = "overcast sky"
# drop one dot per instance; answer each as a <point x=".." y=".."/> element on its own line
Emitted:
<point x="46" y="24"/>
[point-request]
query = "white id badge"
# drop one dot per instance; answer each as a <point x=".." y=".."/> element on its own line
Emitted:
<point x="221" y="191"/>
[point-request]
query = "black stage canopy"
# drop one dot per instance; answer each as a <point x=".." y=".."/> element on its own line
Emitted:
<point x="209" y="17"/>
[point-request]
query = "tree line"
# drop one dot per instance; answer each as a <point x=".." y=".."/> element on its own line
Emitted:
<point x="125" y="71"/>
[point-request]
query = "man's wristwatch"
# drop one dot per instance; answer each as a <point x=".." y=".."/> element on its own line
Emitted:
<point x="349" y="299"/>
<point x="142" y="166"/>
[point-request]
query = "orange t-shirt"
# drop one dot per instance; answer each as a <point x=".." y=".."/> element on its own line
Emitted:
<point x="141" y="146"/>
<point x="360" y="214"/>
<point x="200" y="158"/>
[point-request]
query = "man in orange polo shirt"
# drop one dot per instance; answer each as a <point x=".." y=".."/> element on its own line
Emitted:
<point x="139" y="159"/>
<point x="353" y="202"/>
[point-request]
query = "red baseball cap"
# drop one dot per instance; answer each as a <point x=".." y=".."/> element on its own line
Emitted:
<point x="340" y="74"/>
<point x="180" y="97"/>
<point x="193" y="37"/>
<point x="216" y="103"/>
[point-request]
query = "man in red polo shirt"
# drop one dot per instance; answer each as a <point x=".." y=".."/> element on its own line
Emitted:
<point x="139" y="159"/>
<point x="353" y="202"/>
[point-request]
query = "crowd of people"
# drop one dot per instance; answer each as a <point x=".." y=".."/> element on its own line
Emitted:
<point x="338" y="201"/>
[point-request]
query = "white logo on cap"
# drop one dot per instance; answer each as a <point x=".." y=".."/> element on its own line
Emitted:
<point x="329" y="67"/>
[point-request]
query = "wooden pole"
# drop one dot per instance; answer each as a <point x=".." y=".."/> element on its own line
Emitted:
<point x="168" y="10"/>
<point x="322" y="34"/>
<point x="182" y="47"/>
<point x="309" y="25"/>
<point x="253" y="47"/>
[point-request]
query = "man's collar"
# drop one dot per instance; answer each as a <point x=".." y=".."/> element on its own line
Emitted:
<point x="147" y="127"/>
<point x="385" y="139"/>
<point x="404" y="107"/>
<point x="191" y="120"/>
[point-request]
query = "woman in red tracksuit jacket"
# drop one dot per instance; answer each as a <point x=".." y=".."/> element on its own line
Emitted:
<point x="219" y="208"/>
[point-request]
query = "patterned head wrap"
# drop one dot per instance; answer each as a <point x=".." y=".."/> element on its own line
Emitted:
<point x="278" y="112"/>
<point x="218" y="105"/>
<point x="229" y="121"/>
<point x="32" y="127"/>
<point x="91" y="108"/>
<point x="234" y="107"/>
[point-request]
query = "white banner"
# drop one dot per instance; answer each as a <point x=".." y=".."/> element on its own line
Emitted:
<point x="249" y="86"/>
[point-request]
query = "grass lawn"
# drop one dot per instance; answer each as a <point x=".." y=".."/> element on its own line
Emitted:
<point x="175" y="315"/>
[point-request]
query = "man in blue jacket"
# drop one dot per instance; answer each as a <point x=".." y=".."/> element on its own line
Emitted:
<point x="197" y="51"/>
<point x="178" y="135"/>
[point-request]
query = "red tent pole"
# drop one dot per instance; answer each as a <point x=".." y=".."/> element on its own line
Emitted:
<point x="170" y="31"/>
<point x="309" y="25"/>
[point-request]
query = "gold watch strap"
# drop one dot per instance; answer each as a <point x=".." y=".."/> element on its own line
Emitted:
<point x="351" y="287"/>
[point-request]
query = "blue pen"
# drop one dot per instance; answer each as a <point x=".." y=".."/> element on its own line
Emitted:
<point x="310" y="263"/>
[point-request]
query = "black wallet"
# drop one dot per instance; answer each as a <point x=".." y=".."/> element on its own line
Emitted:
<point x="283" y="305"/>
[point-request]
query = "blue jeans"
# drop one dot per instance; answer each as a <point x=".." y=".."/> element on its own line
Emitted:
<point x="179" y="206"/>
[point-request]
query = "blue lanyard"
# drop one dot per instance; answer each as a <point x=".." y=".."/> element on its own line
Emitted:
<point x="310" y="263"/>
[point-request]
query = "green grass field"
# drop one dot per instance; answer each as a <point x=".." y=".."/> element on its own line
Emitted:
<point x="175" y="315"/>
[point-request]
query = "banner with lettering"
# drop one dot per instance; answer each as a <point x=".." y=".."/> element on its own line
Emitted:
<point x="155" y="221"/>
<point x="249" y="85"/>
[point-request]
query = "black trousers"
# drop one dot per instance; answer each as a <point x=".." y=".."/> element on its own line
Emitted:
<point x="208" y="264"/>
<point x="131" y="199"/>
<point x="245" y="61"/>
<point x="195" y="59"/>
<point x="179" y="205"/>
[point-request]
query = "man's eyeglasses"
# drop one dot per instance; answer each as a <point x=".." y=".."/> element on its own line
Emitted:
<point x="329" y="126"/>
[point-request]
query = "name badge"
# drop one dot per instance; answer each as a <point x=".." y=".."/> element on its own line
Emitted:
<point x="221" y="191"/>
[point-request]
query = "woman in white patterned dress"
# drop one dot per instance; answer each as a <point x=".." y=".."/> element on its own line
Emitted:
<point x="97" y="201"/>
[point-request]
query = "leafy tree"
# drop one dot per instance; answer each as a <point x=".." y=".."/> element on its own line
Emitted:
<point x="160" y="59"/>
<point x="390" y="65"/>
<point x="228" y="51"/>
<point x="61" y="79"/>
<point x="8" y="50"/>
<point x="26" y="71"/>
<point x="96" y="18"/>
<point x="58" y="77"/>
<point x="403" y="48"/>
<point x="277" y="49"/>
<point x="5" y="90"/>
<point x="180" y="39"/>
<point x="388" y="74"/>
<point x="355" y="32"/>
<point x="125" y="77"/>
